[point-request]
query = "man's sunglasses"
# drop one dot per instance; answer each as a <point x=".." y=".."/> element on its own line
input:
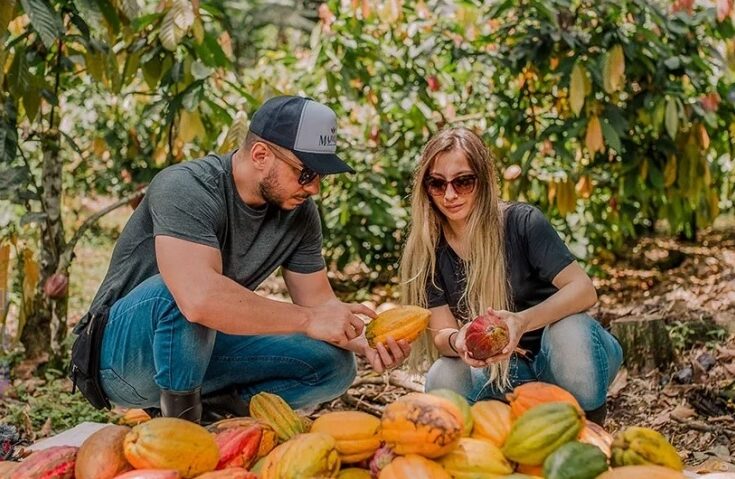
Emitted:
<point x="462" y="185"/>
<point x="306" y="175"/>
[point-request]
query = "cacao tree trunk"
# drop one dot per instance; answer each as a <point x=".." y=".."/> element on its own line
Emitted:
<point x="45" y="327"/>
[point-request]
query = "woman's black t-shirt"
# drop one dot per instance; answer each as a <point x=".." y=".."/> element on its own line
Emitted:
<point x="534" y="255"/>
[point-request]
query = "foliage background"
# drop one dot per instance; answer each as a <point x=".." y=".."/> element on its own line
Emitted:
<point x="613" y="117"/>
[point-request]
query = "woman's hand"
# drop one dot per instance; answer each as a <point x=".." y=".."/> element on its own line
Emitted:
<point x="461" y="346"/>
<point x="387" y="356"/>
<point x="517" y="326"/>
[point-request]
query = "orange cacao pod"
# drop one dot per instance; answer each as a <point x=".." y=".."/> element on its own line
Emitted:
<point x="354" y="473"/>
<point x="238" y="446"/>
<point x="641" y="472"/>
<point x="492" y="421"/>
<point x="528" y="395"/>
<point x="413" y="466"/>
<point x="403" y="322"/>
<point x="461" y="403"/>
<point x="531" y="470"/>
<point x="419" y="423"/>
<point x="274" y="411"/>
<point x="312" y="454"/>
<point x="101" y="455"/>
<point x="268" y="438"/>
<point x="171" y="443"/>
<point x="356" y="433"/>
<point x="229" y="473"/>
<point x="54" y="463"/>
<point x="133" y="417"/>
<point x="150" y="474"/>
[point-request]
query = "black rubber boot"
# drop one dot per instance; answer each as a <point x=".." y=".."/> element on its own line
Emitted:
<point x="597" y="415"/>
<point x="223" y="404"/>
<point x="183" y="405"/>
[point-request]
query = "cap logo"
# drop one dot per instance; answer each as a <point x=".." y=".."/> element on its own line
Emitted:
<point x="327" y="140"/>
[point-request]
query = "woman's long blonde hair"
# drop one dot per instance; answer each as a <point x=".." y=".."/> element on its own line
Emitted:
<point x="485" y="267"/>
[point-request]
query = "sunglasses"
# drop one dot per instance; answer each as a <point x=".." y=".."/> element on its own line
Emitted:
<point x="306" y="174"/>
<point x="462" y="185"/>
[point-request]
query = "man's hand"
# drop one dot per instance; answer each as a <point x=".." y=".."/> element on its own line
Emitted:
<point x="387" y="356"/>
<point x="336" y="322"/>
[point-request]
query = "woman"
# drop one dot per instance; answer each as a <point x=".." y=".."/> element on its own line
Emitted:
<point x="468" y="254"/>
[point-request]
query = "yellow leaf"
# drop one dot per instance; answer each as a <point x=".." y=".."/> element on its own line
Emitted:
<point x="702" y="137"/>
<point x="714" y="204"/>
<point x="159" y="156"/>
<point x="671" y="117"/>
<point x="7" y="10"/>
<point x="176" y="24"/>
<point x="670" y="171"/>
<point x="225" y="41"/>
<point x="584" y="187"/>
<point x="613" y="71"/>
<point x="389" y="11"/>
<point x="593" y="138"/>
<point x="4" y="276"/>
<point x="198" y="30"/>
<point x="191" y="126"/>
<point x="566" y="199"/>
<point x="31" y="275"/>
<point x="236" y="134"/>
<point x="576" y="88"/>
<point x="551" y="193"/>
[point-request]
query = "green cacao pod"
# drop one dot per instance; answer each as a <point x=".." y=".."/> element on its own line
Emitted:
<point x="575" y="460"/>
<point x="643" y="446"/>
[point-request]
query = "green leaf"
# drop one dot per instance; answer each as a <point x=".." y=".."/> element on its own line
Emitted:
<point x="672" y="117"/>
<point x="8" y="132"/>
<point x="90" y="12"/>
<point x="611" y="136"/>
<point x="32" y="98"/>
<point x="13" y="181"/>
<point x="19" y="77"/>
<point x="44" y="19"/>
<point x="7" y="11"/>
<point x="130" y="8"/>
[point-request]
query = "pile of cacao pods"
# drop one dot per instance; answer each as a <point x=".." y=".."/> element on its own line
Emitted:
<point x="541" y="432"/>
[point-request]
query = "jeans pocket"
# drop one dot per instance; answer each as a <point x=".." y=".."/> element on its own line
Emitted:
<point x="119" y="390"/>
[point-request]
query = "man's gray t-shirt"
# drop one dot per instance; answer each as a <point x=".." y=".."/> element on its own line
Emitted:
<point x="197" y="201"/>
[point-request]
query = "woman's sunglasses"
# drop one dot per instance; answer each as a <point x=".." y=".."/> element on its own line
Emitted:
<point x="462" y="185"/>
<point x="306" y="174"/>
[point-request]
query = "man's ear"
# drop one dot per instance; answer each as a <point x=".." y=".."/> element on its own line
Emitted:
<point x="260" y="155"/>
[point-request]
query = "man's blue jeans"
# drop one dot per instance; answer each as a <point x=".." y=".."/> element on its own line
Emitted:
<point x="148" y="345"/>
<point x="576" y="354"/>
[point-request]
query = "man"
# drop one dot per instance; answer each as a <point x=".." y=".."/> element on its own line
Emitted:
<point x="184" y="322"/>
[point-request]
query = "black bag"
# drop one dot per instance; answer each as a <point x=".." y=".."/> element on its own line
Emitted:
<point x="85" y="358"/>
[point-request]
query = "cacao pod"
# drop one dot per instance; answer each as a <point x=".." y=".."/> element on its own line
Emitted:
<point x="171" y="443"/>
<point x="354" y="473"/>
<point x="56" y="286"/>
<point x="540" y="431"/>
<point x="575" y="460"/>
<point x="492" y="421"/>
<point x="7" y="468"/>
<point x="150" y="474"/>
<point x="382" y="457"/>
<point x="403" y="322"/>
<point x="356" y="433"/>
<point x="486" y="336"/>
<point x="101" y="455"/>
<point x="238" y="446"/>
<point x="462" y="405"/>
<point x="475" y="458"/>
<point x="533" y="471"/>
<point x="55" y="463"/>
<point x="268" y="438"/>
<point x="133" y="417"/>
<point x="274" y="411"/>
<point x="229" y="473"/>
<point x="528" y="395"/>
<point x="597" y="436"/>
<point x="312" y="454"/>
<point x="422" y="424"/>
<point x="643" y="446"/>
<point x="413" y="466"/>
<point x="641" y="472"/>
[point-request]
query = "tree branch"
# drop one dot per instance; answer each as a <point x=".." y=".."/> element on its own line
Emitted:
<point x="65" y="260"/>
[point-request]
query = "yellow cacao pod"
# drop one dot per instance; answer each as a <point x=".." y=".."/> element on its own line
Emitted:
<point x="475" y="458"/>
<point x="492" y="421"/>
<point x="643" y="446"/>
<point x="354" y="473"/>
<point x="171" y="443"/>
<point x="312" y="455"/>
<point x="403" y="322"/>
<point x="274" y="411"/>
<point x="413" y="466"/>
<point x="356" y="433"/>
<point x="641" y="472"/>
<point x="422" y="424"/>
<point x="540" y="431"/>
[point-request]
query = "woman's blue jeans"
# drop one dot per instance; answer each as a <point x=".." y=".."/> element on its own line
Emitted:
<point x="576" y="354"/>
<point x="148" y="345"/>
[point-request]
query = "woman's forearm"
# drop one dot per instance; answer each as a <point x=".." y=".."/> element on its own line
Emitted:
<point x="572" y="298"/>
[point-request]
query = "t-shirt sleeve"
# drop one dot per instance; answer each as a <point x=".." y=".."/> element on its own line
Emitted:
<point x="307" y="257"/>
<point x="184" y="207"/>
<point x="547" y="252"/>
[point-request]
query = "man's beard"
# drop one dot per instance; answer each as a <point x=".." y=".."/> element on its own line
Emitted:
<point x="270" y="190"/>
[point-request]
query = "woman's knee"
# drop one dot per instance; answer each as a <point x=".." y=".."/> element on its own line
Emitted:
<point x="449" y="373"/>
<point x="580" y="356"/>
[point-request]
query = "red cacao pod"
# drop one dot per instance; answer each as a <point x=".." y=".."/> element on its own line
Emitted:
<point x="101" y="455"/>
<point x="382" y="457"/>
<point x="52" y="463"/>
<point x="238" y="446"/>
<point x="486" y="336"/>
<point x="56" y="286"/>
